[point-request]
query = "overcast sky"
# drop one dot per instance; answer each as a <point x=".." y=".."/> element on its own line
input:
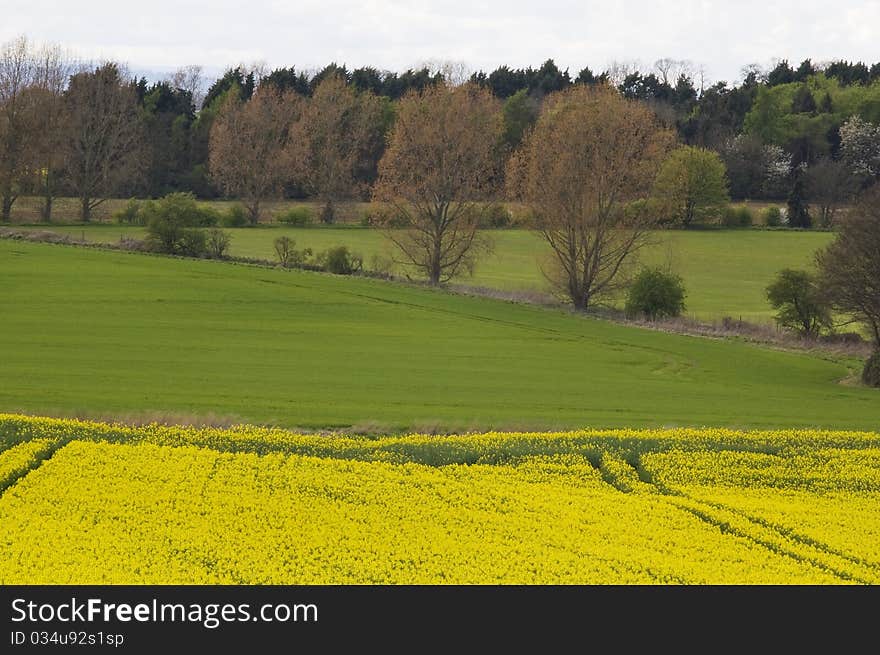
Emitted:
<point x="159" y="35"/>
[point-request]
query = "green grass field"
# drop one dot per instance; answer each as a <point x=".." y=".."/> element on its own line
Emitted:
<point x="26" y="209"/>
<point x="725" y="271"/>
<point x="110" y="333"/>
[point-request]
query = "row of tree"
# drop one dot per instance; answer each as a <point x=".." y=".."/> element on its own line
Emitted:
<point x="79" y="131"/>
<point x="589" y="171"/>
<point x="63" y="125"/>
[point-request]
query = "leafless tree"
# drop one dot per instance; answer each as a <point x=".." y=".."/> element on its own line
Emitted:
<point x="591" y="153"/>
<point x="442" y="158"/>
<point x="192" y="80"/>
<point x="17" y="124"/>
<point x="455" y="73"/>
<point x="53" y="69"/>
<point x="703" y="79"/>
<point x="753" y="70"/>
<point x="618" y="70"/>
<point x="247" y="150"/>
<point x="103" y="144"/>
<point x="669" y="70"/>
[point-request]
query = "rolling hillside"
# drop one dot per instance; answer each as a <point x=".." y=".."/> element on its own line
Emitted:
<point x="131" y="334"/>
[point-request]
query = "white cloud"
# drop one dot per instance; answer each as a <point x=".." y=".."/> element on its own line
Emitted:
<point x="394" y="34"/>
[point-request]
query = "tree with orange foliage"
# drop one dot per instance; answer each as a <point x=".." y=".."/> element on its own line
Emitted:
<point x="591" y="153"/>
<point x="247" y="151"/>
<point x="332" y="142"/>
<point x="442" y="159"/>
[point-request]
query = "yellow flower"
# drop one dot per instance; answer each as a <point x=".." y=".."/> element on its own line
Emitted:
<point x="155" y="504"/>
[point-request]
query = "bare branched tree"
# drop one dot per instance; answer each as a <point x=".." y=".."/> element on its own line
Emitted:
<point x="590" y="154"/>
<point x="103" y="144"/>
<point x="192" y="80"/>
<point x="17" y="124"/>
<point x="442" y="158"/>
<point x="247" y="150"/>
<point x="669" y="70"/>
<point x="455" y="73"/>
<point x="618" y="70"/>
<point x="53" y="69"/>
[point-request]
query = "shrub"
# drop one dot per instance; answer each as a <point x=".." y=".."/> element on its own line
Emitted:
<point x="340" y="260"/>
<point x="373" y="217"/>
<point x="871" y="372"/>
<point x="164" y="234"/>
<point x="181" y="208"/>
<point x="208" y="216"/>
<point x="495" y="215"/>
<point x="799" y="304"/>
<point x="170" y="221"/>
<point x="381" y="264"/>
<point x="192" y="243"/>
<point x="296" y="216"/>
<point x="131" y="214"/>
<point x="636" y="209"/>
<point x="773" y="216"/>
<point x="216" y="243"/>
<point x="736" y="217"/>
<point x="388" y="217"/>
<point x="847" y="338"/>
<point x="327" y="214"/>
<point x="235" y="216"/>
<point x="288" y="255"/>
<point x="655" y="294"/>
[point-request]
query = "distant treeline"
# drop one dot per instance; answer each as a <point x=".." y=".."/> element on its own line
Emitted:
<point x="93" y="131"/>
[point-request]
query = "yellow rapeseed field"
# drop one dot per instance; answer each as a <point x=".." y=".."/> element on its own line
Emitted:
<point x="98" y="503"/>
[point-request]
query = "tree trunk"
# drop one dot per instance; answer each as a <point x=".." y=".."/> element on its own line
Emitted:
<point x="85" y="211"/>
<point x="8" y="199"/>
<point x="328" y="213"/>
<point x="435" y="269"/>
<point x="434" y="273"/>
<point x="46" y="210"/>
<point x="578" y="297"/>
<point x="254" y="212"/>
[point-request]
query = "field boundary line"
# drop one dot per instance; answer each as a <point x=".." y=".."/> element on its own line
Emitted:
<point x="793" y="535"/>
<point x="45" y="456"/>
<point x="779" y="541"/>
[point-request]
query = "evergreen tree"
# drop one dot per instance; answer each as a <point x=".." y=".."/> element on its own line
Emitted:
<point x="367" y="79"/>
<point x="804" y="71"/>
<point x="782" y="74"/>
<point x="520" y="112"/>
<point x="504" y="82"/>
<point x="803" y="101"/>
<point x="586" y="76"/>
<point x="287" y="79"/>
<point x="549" y="78"/>
<point x="232" y="77"/>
